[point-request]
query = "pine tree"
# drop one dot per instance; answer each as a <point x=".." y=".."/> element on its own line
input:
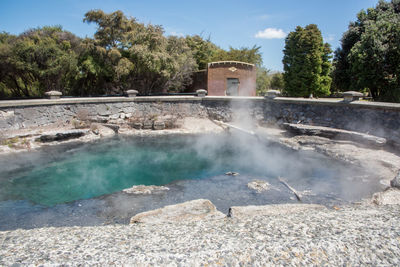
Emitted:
<point x="306" y="63"/>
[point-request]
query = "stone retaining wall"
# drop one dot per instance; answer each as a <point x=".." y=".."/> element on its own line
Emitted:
<point x="380" y="119"/>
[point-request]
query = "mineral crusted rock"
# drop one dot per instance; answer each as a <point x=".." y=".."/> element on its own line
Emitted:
<point x="137" y="125"/>
<point x="102" y="130"/>
<point x="145" y="189"/>
<point x="248" y="212"/>
<point x="148" y="124"/>
<point x="158" y="125"/>
<point x="396" y="181"/>
<point x="332" y="133"/>
<point x="232" y="173"/>
<point x="61" y="136"/>
<point x="387" y="197"/>
<point x="259" y="185"/>
<point x="195" y="210"/>
<point x="113" y="127"/>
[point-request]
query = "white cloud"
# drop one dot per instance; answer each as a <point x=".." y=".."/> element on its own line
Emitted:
<point x="329" y="37"/>
<point x="177" y="34"/>
<point x="271" y="33"/>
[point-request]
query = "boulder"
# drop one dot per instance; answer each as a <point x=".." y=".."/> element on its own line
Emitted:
<point x="247" y="212"/>
<point x="195" y="210"/>
<point x="148" y="124"/>
<point x="158" y="125"/>
<point x="137" y="125"/>
<point x="145" y="189"/>
<point x="390" y="196"/>
<point x="396" y="181"/>
<point x="102" y="130"/>
<point x="259" y="186"/>
<point x="333" y="133"/>
<point x="61" y="136"/>
<point x="114" y="127"/>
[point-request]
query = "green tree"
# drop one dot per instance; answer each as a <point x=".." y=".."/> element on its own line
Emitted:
<point x="137" y="56"/>
<point x="244" y="54"/>
<point x="306" y="63"/>
<point x="369" y="56"/>
<point x="263" y="80"/>
<point x="38" y="60"/>
<point x="277" y="82"/>
<point x="202" y="50"/>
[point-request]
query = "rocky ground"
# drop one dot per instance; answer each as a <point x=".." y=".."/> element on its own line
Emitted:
<point x="363" y="234"/>
<point x="356" y="235"/>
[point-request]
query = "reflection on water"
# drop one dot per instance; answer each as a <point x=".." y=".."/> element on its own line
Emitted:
<point x="81" y="184"/>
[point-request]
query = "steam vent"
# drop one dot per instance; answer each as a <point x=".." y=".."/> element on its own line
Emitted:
<point x="226" y="78"/>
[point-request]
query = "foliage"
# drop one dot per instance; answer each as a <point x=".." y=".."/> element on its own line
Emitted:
<point x="263" y="81"/>
<point x="36" y="61"/>
<point x="277" y="82"/>
<point x="203" y="50"/>
<point x="306" y="63"/>
<point x="369" y="56"/>
<point x="139" y="56"/>
<point x="244" y="54"/>
<point x="124" y="54"/>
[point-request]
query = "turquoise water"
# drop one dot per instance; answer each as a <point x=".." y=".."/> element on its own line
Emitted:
<point x="65" y="174"/>
<point x="103" y="168"/>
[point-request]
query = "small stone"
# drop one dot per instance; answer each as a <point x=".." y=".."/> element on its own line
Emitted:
<point x="145" y="189"/>
<point x="396" y="181"/>
<point x="114" y="116"/>
<point x="137" y="125"/>
<point x="387" y="197"/>
<point x="147" y="124"/>
<point x="158" y="125"/>
<point x="232" y="173"/>
<point x="259" y="185"/>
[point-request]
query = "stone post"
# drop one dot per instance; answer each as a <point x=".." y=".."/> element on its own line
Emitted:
<point x="350" y="96"/>
<point x="53" y="94"/>
<point x="201" y="93"/>
<point x="131" y="93"/>
<point x="271" y="94"/>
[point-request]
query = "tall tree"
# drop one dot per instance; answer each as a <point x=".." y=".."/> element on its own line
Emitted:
<point x="369" y="56"/>
<point x="306" y="63"/>
<point x="38" y="60"/>
<point x="139" y="56"/>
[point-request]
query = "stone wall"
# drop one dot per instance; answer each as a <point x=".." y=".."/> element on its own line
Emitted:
<point x="380" y="119"/>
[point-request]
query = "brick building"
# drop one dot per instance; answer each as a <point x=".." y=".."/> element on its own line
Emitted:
<point x="226" y="78"/>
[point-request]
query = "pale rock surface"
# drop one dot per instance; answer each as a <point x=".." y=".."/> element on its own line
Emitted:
<point x="248" y="212"/>
<point x="390" y="196"/>
<point x="145" y="189"/>
<point x="259" y="185"/>
<point x="199" y="125"/>
<point x="195" y="210"/>
<point x="103" y="131"/>
<point x="396" y="181"/>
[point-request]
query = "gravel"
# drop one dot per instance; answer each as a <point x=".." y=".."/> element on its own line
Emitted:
<point x="351" y="235"/>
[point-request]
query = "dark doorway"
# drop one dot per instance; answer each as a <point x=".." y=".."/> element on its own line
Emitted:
<point x="232" y="87"/>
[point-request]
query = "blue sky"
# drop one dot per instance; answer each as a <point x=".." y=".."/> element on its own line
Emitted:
<point x="229" y="23"/>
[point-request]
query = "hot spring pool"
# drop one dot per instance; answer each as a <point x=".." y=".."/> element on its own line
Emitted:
<point x="83" y="181"/>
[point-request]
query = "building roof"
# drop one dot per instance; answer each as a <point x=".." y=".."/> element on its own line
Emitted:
<point x="230" y="63"/>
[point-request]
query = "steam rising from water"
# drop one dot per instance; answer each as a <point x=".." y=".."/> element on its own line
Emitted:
<point x="90" y="177"/>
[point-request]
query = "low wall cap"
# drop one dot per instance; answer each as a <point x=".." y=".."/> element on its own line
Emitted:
<point x="53" y="93"/>
<point x="352" y="93"/>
